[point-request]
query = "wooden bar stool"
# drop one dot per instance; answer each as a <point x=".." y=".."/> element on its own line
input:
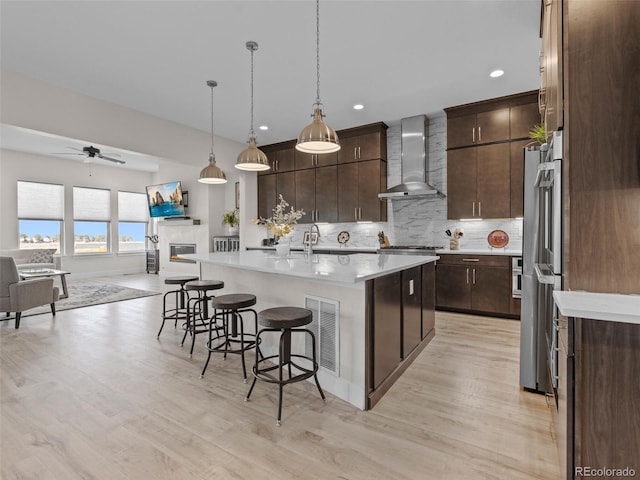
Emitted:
<point x="285" y="320"/>
<point x="179" y="312"/>
<point x="198" y="308"/>
<point x="228" y="325"/>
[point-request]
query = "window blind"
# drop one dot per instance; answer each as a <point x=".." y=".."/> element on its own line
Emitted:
<point x="133" y="207"/>
<point x="91" y="204"/>
<point x="40" y="201"/>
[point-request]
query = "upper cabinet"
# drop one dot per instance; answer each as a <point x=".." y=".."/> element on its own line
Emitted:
<point x="359" y="144"/>
<point x="336" y="187"/>
<point x="478" y="129"/>
<point x="281" y="157"/>
<point x="551" y="92"/>
<point x="484" y="156"/>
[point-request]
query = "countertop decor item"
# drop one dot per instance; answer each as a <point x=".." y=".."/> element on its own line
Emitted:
<point x="252" y="158"/>
<point x="454" y="243"/>
<point x="498" y="239"/>
<point x="212" y="173"/>
<point x="232" y="219"/>
<point x="282" y="221"/>
<point x="343" y="237"/>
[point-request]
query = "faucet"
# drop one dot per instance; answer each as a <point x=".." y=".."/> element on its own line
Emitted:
<point x="310" y="246"/>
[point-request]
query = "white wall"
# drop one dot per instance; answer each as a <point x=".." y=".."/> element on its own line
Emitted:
<point x="30" y="103"/>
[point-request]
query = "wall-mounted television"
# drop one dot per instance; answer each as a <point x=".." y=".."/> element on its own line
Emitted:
<point x="165" y="200"/>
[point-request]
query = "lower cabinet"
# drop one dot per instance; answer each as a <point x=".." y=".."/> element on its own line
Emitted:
<point x="411" y="310"/>
<point x="478" y="283"/>
<point x="400" y="323"/>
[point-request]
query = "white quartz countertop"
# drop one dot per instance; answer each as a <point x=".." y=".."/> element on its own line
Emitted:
<point x="336" y="249"/>
<point x="481" y="251"/>
<point x="348" y="269"/>
<point x="610" y="307"/>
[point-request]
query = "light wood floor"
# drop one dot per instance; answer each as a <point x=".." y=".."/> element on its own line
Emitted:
<point x="91" y="394"/>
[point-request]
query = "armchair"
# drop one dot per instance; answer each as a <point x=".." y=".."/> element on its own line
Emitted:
<point x="19" y="295"/>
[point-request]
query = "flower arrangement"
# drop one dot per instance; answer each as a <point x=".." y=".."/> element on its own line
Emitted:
<point x="282" y="221"/>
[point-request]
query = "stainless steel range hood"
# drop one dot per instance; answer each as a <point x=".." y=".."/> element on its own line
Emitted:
<point x="414" y="165"/>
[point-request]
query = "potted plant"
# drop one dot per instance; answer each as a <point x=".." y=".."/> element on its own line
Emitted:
<point x="232" y="219"/>
<point x="538" y="134"/>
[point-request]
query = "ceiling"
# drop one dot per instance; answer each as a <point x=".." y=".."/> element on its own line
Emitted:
<point x="397" y="58"/>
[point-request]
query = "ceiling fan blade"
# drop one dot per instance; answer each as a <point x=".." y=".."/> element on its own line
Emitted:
<point x="115" y="160"/>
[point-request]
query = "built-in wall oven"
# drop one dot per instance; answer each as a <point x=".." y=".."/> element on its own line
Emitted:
<point x="548" y="267"/>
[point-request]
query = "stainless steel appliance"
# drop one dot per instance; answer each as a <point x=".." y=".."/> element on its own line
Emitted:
<point x="516" y="277"/>
<point x="410" y="250"/>
<point x="541" y="265"/>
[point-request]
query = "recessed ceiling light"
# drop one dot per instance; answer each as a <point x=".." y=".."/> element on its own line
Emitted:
<point x="358" y="106"/>
<point x="496" y="73"/>
<point x="263" y="127"/>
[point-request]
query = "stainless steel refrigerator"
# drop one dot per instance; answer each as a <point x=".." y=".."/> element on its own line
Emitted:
<point x="533" y="344"/>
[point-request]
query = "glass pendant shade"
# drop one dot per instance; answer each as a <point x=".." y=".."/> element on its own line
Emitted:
<point x="252" y="158"/>
<point x="212" y="173"/>
<point x="318" y="137"/>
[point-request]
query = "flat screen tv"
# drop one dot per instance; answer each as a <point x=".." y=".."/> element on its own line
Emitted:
<point x="165" y="200"/>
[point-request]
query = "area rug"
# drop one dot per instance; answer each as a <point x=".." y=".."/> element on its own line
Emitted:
<point x="88" y="293"/>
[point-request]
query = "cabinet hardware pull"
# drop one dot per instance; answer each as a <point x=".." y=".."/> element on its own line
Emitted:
<point x="473" y="211"/>
<point x="359" y="153"/>
<point x="467" y="276"/>
<point x="479" y="134"/>
<point x="317" y="215"/>
<point x="355" y="213"/>
<point x="473" y="135"/>
<point x="355" y="153"/>
<point x="359" y="213"/>
<point x="479" y="209"/>
<point x="470" y="259"/>
<point x="474" y="276"/>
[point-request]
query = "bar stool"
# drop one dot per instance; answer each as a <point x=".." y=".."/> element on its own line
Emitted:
<point x="285" y="320"/>
<point x="199" y="307"/>
<point x="227" y="339"/>
<point x="179" y="312"/>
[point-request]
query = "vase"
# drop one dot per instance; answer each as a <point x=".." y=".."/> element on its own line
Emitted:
<point x="283" y="247"/>
<point x="233" y="230"/>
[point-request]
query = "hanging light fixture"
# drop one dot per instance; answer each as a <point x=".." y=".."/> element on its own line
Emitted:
<point x="252" y="158"/>
<point x="318" y="137"/>
<point x="212" y="173"/>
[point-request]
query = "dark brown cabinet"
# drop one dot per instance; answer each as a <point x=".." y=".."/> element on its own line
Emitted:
<point x="270" y="187"/>
<point x="400" y="323"/>
<point x="411" y="309"/>
<point x="363" y="143"/>
<point x="428" y="298"/>
<point x="479" y="182"/>
<point x="478" y="283"/>
<point x="517" y="175"/>
<point x="317" y="194"/>
<point x="551" y="86"/>
<point x="358" y="186"/>
<point x="281" y="157"/>
<point x="483" y="178"/>
<point x="386" y="326"/>
<point x="478" y="128"/>
<point x="310" y="160"/>
<point x="325" y="190"/>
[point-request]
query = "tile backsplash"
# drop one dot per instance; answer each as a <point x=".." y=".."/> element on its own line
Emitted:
<point x="418" y="221"/>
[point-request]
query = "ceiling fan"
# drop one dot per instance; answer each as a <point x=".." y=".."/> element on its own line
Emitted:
<point x="93" y="152"/>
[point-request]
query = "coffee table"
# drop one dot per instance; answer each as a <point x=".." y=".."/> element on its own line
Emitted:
<point x="46" y="272"/>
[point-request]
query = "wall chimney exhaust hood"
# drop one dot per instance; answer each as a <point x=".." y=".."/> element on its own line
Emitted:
<point x="414" y="166"/>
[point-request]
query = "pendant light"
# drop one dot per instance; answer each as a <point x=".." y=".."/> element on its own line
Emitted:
<point x="252" y="158"/>
<point x="318" y="137"/>
<point x="212" y="173"/>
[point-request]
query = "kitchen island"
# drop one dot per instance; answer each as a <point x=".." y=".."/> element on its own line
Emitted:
<point x="373" y="314"/>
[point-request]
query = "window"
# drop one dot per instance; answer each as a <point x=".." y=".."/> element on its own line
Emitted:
<point x="91" y="220"/>
<point x="133" y="216"/>
<point x="40" y="215"/>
